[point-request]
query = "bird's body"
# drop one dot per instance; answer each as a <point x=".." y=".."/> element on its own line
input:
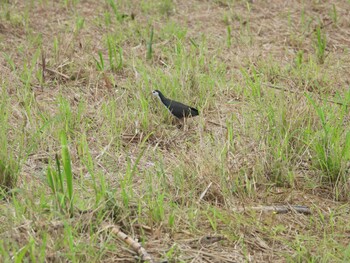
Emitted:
<point x="178" y="109"/>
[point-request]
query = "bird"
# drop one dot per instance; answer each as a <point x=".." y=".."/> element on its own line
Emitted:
<point x="177" y="109"/>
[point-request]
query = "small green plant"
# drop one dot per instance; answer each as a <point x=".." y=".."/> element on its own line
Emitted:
<point x="108" y="19"/>
<point x="27" y="249"/>
<point x="333" y="145"/>
<point x="69" y="241"/>
<point x="61" y="181"/>
<point x="115" y="54"/>
<point x="145" y="112"/>
<point x="321" y="44"/>
<point x="8" y="174"/>
<point x="79" y="24"/>
<point x="254" y="82"/>
<point x="100" y="63"/>
<point x="8" y="166"/>
<point x="149" y="45"/>
<point x="214" y="216"/>
<point x="126" y="183"/>
<point x="173" y="254"/>
<point x="70" y="3"/>
<point x="9" y="61"/>
<point x="66" y="113"/>
<point x="334" y="14"/>
<point x="157" y="211"/>
<point x="229" y="36"/>
<point x="114" y="7"/>
<point x="299" y="59"/>
<point x="166" y="7"/>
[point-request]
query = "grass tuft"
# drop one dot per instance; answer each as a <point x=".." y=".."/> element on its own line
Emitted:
<point x="149" y="45"/>
<point x="271" y="86"/>
<point x="61" y="181"/>
<point x="321" y="44"/>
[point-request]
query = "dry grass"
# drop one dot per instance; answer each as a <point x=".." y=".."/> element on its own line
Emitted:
<point x="262" y="82"/>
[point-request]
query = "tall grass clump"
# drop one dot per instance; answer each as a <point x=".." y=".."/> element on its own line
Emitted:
<point x="8" y="174"/>
<point x="61" y="180"/>
<point x="332" y="145"/>
<point x="149" y="45"/>
<point x="115" y="54"/>
<point x="166" y="7"/>
<point x="334" y="14"/>
<point x="254" y="83"/>
<point x="320" y="45"/>
<point x="100" y="62"/>
<point x="117" y="14"/>
<point x="8" y="165"/>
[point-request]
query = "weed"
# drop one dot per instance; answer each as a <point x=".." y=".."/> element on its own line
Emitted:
<point x="166" y="7"/>
<point x="100" y="63"/>
<point x="321" y="44"/>
<point x="299" y="59"/>
<point x="253" y="83"/>
<point x="258" y="140"/>
<point x="61" y="182"/>
<point x="229" y="36"/>
<point x="79" y="24"/>
<point x="334" y="14"/>
<point x="8" y="174"/>
<point x="9" y="167"/>
<point x="333" y="146"/>
<point x="114" y="7"/>
<point x="149" y="45"/>
<point x="115" y="54"/>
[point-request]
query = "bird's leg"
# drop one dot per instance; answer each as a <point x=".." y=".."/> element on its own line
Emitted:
<point x="184" y="123"/>
<point x="175" y="121"/>
<point x="179" y="123"/>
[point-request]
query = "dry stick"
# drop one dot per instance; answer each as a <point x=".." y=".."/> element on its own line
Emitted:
<point x="278" y="209"/>
<point x="297" y="92"/>
<point x="321" y="27"/>
<point x="43" y="61"/>
<point x="204" y="192"/>
<point x="131" y="242"/>
<point x="211" y="255"/>
<point x="57" y="72"/>
<point x="217" y="124"/>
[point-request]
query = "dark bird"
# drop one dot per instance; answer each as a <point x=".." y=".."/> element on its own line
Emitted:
<point x="176" y="108"/>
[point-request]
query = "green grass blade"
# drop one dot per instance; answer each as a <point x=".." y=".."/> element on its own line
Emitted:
<point x="67" y="168"/>
<point x="149" y="45"/>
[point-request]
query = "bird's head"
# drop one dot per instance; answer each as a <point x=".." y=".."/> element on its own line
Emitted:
<point x="156" y="93"/>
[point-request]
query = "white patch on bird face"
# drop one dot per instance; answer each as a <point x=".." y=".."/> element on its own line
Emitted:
<point x="155" y="93"/>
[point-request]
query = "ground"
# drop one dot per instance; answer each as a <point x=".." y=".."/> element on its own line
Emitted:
<point x="85" y="145"/>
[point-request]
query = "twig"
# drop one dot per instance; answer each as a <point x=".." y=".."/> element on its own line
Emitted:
<point x="204" y="192"/>
<point x="57" y="72"/>
<point x="301" y="93"/>
<point x="211" y="255"/>
<point x="321" y="27"/>
<point x="278" y="209"/>
<point x="105" y="149"/>
<point x="217" y="124"/>
<point x="131" y="242"/>
<point x="43" y="61"/>
<point x="211" y="239"/>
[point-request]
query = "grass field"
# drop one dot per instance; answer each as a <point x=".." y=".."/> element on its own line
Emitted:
<point x="83" y="144"/>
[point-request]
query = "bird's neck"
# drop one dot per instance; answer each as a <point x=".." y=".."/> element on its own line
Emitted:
<point x="163" y="98"/>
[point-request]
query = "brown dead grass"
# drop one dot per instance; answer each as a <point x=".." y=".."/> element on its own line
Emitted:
<point x="273" y="32"/>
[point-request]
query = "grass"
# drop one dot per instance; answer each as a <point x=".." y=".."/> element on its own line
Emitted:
<point x="84" y="143"/>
